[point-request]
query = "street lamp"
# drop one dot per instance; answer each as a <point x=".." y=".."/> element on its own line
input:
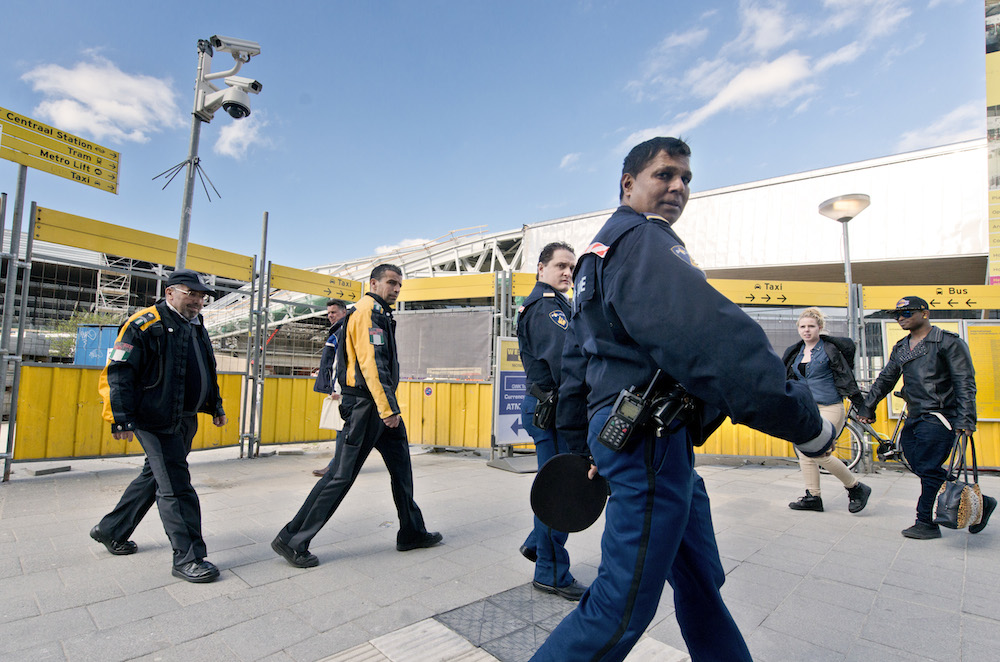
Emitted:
<point x="208" y="98"/>
<point x="842" y="209"/>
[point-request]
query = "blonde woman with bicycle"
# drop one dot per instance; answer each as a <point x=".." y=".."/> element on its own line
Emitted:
<point x="826" y="364"/>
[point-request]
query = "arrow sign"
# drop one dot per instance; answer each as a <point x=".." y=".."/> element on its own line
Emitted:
<point x="516" y="427"/>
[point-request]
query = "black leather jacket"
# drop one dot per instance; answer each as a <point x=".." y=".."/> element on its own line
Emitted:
<point x="843" y="371"/>
<point x="938" y="377"/>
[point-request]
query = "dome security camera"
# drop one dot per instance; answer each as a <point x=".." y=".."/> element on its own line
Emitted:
<point x="236" y="102"/>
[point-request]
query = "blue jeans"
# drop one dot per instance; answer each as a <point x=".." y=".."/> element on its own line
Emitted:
<point x="658" y="529"/>
<point x="552" y="565"/>
<point x="926" y="444"/>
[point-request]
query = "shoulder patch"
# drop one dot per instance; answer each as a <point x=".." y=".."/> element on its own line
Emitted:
<point x="559" y="317"/>
<point x="682" y="253"/>
<point x="520" y="310"/>
<point x="144" y="319"/>
<point x="598" y="249"/>
<point x="548" y="294"/>
<point x="120" y="352"/>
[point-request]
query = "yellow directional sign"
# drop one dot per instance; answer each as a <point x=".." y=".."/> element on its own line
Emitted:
<point x="310" y="282"/>
<point x="69" y="230"/>
<point x="781" y="292"/>
<point x="939" y="297"/>
<point x="43" y="147"/>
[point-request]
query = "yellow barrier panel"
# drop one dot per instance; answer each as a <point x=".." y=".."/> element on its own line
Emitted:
<point x="61" y="228"/>
<point x="446" y="413"/>
<point x="59" y="416"/>
<point x="471" y="286"/>
<point x="523" y="284"/>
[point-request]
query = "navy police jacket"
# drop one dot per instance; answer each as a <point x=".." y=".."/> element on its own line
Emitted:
<point x="639" y="304"/>
<point x="541" y="331"/>
<point x="325" y="378"/>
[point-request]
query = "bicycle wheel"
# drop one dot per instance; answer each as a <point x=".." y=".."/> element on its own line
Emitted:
<point x="848" y="446"/>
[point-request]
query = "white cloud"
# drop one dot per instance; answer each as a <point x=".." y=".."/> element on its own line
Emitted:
<point x="967" y="122"/>
<point x="238" y="136"/>
<point x="779" y="81"/>
<point x="766" y="27"/>
<point x="654" y="79"/>
<point x="401" y="246"/>
<point x="843" y="55"/>
<point x="98" y="99"/>
<point x="570" y="161"/>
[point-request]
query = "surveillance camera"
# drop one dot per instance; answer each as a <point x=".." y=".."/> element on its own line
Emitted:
<point x="245" y="84"/>
<point x="240" y="48"/>
<point x="236" y="102"/>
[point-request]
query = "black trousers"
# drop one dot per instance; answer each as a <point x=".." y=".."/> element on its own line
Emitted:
<point x="926" y="445"/>
<point x="363" y="431"/>
<point x="165" y="480"/>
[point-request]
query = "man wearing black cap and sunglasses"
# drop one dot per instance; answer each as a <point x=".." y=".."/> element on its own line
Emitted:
<point x="939" y="387"/>
<point x="160" y="374"/>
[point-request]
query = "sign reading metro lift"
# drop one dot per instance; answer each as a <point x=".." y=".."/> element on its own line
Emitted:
<point x="40" y="146"/>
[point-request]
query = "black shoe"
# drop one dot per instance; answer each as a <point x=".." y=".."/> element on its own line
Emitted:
<point x="429" y="539"/>
<point x="298" y="559"/>
<point x="572" y="591"/>
<point x="198" y="572"/>
<point x="859" y="497"/>
<point x="528" y="553"/>
<point x="115" y="547"/>
<point x="319" y="473"/>
<point x="989" y="505"/>
<point x="808" y="502"/>
<point x="923" y="531"/>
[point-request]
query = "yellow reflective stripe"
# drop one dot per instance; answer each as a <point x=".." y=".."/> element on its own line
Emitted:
<point x="103" y="387"/>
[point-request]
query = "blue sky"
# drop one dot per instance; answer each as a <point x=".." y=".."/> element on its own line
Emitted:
<point x="388" y="122"/>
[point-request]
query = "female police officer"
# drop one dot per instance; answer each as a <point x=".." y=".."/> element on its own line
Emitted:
<point x="541" y="329"/>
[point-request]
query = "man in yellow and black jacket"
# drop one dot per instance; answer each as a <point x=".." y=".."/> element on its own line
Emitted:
<point x="159" y="375"/>
<point x="368" y="374"/>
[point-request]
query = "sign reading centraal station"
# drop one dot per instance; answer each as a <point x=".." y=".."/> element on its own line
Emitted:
<point x="36" y="145"/>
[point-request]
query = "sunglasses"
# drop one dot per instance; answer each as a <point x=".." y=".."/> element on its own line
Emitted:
<point x="905" y="314"/>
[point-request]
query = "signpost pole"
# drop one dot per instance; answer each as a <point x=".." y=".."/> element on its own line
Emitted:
<point x="10" y="289"/>
<point x="192" y="167"/>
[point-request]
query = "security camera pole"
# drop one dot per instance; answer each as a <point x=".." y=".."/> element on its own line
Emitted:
<point x="208" y="99"/>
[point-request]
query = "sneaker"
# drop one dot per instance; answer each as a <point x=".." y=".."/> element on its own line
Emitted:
<point x="923" y="531"/>
<point x="808" y="502"/>
<point x="298" y="559"/>
<point x="429" y="539"/>
<point x="989" y="505"/>
<point x="858" y="496"/>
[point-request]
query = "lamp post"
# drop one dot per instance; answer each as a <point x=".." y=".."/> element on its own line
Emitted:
<point x="842" y="209"/>
<point x="207" y="99"/>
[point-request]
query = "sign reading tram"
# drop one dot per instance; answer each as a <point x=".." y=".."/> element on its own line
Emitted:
<point x="43" y="147"/>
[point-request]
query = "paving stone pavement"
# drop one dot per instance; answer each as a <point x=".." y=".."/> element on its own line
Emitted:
<point x="801" y="585"/>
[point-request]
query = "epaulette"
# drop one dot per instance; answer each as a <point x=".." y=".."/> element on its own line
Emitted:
<point x="549" y="294"/>
<point x="144" y="318"/>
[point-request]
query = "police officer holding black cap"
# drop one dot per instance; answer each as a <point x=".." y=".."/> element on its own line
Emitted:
<point x="542" y="321"/>
<point x="160" y="374"/>
<point x="939" y="387"/>
<point x="640" y="307"/>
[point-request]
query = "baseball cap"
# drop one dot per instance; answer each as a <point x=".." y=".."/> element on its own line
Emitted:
<point x="912" y="303"/>
<point x="191" y="280"/>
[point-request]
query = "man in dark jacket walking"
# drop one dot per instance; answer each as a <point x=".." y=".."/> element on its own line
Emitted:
<point x="939" y="387"/>
<point x="159" y="375"/>
<point x="336" y="311"/>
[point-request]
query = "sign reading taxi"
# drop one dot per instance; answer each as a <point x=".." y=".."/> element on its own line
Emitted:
<point x="938" y="297"/>
<point x="310" y="282"/>
<point x="43" y="147"/>
<point x="781" y="292"/>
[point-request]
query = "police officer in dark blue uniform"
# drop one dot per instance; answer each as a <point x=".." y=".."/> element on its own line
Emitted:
<point x="641" y="305"/>
<point x="541" y="331"/>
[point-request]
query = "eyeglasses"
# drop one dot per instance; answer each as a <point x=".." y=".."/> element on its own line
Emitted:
<point x="189" y="293"/>
<point x="905" y="314"/>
